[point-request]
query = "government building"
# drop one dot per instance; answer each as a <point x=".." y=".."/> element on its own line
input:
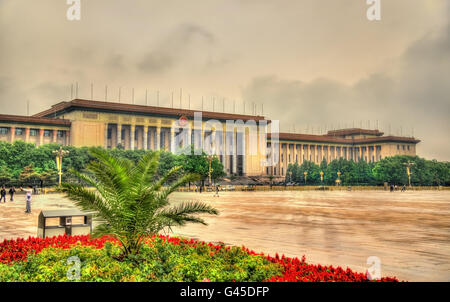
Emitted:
<point x="241" y="149"/>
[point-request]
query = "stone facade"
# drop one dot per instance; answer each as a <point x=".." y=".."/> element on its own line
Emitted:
<point x="240" y="148"/>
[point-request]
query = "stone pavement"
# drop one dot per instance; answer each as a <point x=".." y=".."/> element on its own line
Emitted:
<point x="408" y="231"/>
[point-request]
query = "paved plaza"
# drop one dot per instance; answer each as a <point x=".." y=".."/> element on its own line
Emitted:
<point x="409" y="231"/>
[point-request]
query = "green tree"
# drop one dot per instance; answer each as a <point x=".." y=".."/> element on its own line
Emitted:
<point x="29" y="176"/>
<point x="130" y="201"/>
<point x="5" y="175"/>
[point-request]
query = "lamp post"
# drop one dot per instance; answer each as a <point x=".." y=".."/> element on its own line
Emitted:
<point x="59" y="155"/>
<point x="290" y="176"/>
<point x="408" y="171"/>
<point x="210" y="170"/>
<point x="321" y="177"/>
<point x="339" y="177"/>
<point x="306" y="175"/>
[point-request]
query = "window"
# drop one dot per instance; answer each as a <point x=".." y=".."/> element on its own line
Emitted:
<point x="33" y="132"/>
<point x="47" y="133"/>
<point x="19" y="131"/>
<point x="398" y="147"/>
<point x="60" y="133"/>
<point x="109" y="133"/>
<point x="408" y="147"/>
<point x="3" y="130"/>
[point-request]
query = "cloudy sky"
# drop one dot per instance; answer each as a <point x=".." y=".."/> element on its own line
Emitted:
<point x="314" y="65"/>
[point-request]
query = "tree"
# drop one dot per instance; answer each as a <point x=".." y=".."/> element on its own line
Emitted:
<point x="29" y="175"/>
<point x="130" y="202"/>
<point x="5" y="175"/>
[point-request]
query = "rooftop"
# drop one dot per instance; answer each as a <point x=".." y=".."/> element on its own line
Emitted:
<point x="60" y="108"/>
<point x="33" y="120"/>
<point x="350" y="131"/>
<point x="342" y="140"/>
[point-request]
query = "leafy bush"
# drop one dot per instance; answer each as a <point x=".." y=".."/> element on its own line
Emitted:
<point x="157" y="261"/>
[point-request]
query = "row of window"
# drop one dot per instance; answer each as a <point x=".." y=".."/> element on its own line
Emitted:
<point x="33" y="132"/>
<point x="404" y="147"/>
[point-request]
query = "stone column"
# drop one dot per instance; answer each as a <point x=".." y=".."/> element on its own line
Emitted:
<point x="67" y="137"/>
<point x="189" y="138"/>
<point x="368" y="154"/>
<point x="172" y="139"/>
<point x="151" y="143"/>
<point x="300" y="154"/>
<point x="234" y="150"/>
<point x="41" y="137"/>
<point x="13" y="134"/>
<point x="27" y="135"/>
<point x="145" y="142"/>
<point x="322" y="155"/>
<point x="119" y="134"/>
<point x="132" y="136"/>
<point x="106" y="136"/>
<point x="295" y="154"/>
<point x="224" y="149"/>
<point x="158" y="138"/>
<point x="308" y="152"/>
<point x="244" y="150"/>
<point x="55" y="135"/>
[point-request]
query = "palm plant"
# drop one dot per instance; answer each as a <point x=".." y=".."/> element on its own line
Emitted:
<point x="130" y="202"/>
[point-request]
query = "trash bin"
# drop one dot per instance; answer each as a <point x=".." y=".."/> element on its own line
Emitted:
<point x="60" y="222"/>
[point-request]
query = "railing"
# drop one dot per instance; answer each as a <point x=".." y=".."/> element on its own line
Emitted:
<point x="243" y="188"/>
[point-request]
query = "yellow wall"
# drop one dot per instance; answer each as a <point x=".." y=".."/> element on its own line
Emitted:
<point x="87" y="134"/>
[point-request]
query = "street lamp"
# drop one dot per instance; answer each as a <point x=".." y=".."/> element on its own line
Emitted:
<point x="59" y="155"/>
<point x="408" y="171"/>
<point x="339" y="177"/>
<point x="290" y="176"/>
<point x="210" y="158"/>
<point x="306" y="175"/>
<point x="321" y="177"/>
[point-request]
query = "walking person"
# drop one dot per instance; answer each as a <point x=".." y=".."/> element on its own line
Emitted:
<point x="12" y="191"/>
<point x="28" y="192"/>
<point x="3" y="194"/>
<point x="217" y="191"/>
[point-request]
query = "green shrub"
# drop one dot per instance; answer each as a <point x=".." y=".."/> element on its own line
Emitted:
<point x="158" y="261"/>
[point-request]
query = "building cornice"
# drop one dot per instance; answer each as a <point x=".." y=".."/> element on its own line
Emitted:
<point x="32" y="120"/>
<point x="80" y="104"/>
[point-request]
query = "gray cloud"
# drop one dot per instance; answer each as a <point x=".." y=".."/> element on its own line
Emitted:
<point x="310" y="62"/>
<point x="413" y="94"/>
<point x="175" y="48"/>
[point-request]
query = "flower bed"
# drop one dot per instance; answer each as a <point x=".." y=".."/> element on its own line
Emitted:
<point x="163" y="258"/>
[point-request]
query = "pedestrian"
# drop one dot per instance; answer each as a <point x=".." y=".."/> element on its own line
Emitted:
<point x="217" y="191"/>
<point x="28" y="192"/>
<point x="12" y="190"/>
<point x="3" y="194"/>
